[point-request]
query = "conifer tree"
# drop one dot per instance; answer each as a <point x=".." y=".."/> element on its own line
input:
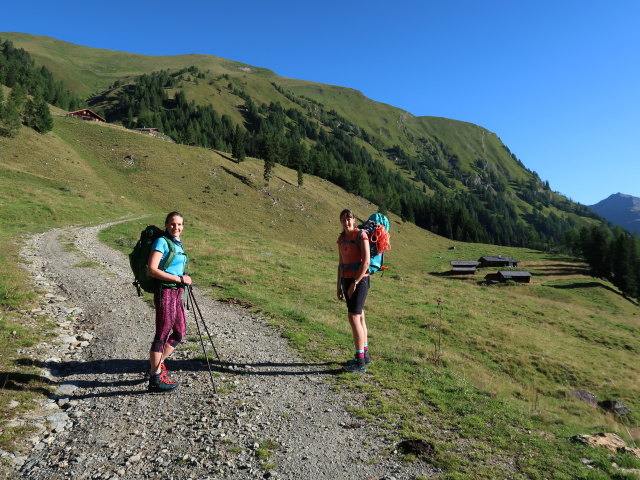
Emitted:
<point x="270" y="157"/>
<point x="38" y="116"/>
<point x="12" y="112"/>
<point x="623" y="259"/>
<point x="238" y="147"/>
<point x="300" y="176"/>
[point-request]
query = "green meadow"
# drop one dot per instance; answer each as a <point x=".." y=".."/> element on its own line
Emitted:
<point x="482" y="372"/>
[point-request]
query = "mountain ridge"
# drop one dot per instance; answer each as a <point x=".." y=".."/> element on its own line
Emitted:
<point x="621" y="209"/>
<point x="452" y="177"/>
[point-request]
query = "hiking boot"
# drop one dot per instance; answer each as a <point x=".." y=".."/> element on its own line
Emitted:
<point x="356" y="365"/>
<point x="161" y="383"/>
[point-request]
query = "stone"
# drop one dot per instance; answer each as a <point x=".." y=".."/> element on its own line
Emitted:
<point x="58" y="427"/>
<point x="614" y="406"/>
<point x="67" y="389"/>
<point x="52" y="405"/>
<point x="584" y="396"/>
<point x="58" y="417"/>
<point x="19" y="461"/>
<point x="610" y="441"/>
<point x="135" y="458"/>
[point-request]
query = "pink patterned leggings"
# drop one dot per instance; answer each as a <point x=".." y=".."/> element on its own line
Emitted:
<point x="171" y="325"/>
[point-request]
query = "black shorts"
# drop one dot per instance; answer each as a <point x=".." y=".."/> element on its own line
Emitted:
<point x="355" y="304"/>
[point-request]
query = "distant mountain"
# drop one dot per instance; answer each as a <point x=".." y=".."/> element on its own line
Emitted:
<point x="621" y="209"/>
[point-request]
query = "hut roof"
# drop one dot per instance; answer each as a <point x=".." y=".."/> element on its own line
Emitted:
<point x="85" y="112"/>
<point x="464" y="263"/>
<point x="499" y="258"/>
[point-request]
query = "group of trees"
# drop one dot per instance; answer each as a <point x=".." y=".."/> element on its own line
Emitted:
<point x="613" y="254"/>
<point x="32" y="89"/>
<point x="18" y="68"/>
<point x="18" y="109"/>
<point x="146" y="103"/>
<point x="485" y="215"/>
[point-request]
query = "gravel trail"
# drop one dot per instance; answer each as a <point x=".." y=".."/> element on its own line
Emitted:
<point x="274" y="416"/>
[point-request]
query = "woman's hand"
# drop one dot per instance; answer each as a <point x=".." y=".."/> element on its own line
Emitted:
<point x="186" y="279"/>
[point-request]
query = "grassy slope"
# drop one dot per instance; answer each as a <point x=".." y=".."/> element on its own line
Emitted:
<point x="509" y="355"/>
<point x="88" y="70"/>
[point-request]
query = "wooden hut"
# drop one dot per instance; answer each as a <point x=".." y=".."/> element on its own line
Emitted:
<point x="516" y="276"/>
<point x="498" y="261"/>
<point x="463" y="266"/>
<point x="504" y="275"/>
<point x="86" y="114"/>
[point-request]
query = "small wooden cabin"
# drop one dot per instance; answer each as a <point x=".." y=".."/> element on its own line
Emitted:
<point x="498" y="261"/>
<point x="86" y="114"/>
<point x="516" y="276"/>
<point x="463" y="266"/>
<point x="504" y="275"/>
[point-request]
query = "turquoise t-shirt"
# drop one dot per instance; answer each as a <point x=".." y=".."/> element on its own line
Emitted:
<point x="179" y="260"/>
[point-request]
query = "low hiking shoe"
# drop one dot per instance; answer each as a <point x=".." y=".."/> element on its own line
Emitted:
<point x="356" y="365"/>
<point x="161" y="383"/>
<point x="367" y="359"/>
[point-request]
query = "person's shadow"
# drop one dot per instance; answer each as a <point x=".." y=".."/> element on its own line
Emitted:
<point x="113" y="374"/>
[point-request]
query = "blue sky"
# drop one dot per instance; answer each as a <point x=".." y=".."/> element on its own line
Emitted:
<point x="557" y="81"/>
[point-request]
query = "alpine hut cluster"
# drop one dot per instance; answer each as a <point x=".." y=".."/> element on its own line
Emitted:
<point x="471" y="266"/>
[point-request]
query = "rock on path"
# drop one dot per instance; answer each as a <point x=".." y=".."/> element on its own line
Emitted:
<point x="274" y="416"/>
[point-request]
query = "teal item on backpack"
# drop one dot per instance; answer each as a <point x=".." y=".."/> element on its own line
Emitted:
<point x="377" y="228"/>
<point x="139" y="258"/>
<point x="380" y="219"/>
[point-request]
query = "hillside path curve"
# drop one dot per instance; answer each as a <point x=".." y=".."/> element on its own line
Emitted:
<point x="274" y="415"/>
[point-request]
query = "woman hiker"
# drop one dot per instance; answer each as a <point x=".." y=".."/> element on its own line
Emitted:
<point x="353" y="285"/>
<point x="171" y="324"/>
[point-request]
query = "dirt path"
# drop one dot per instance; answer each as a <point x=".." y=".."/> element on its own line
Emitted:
<point x="103" y="423"/>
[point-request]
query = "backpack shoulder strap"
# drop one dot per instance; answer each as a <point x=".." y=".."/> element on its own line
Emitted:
<point x="172" y="253"/>
<point x="358" y="240"/>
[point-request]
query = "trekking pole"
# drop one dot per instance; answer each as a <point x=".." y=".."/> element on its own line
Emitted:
<point x="195" y="316"/>
<point x="195" y="304"/>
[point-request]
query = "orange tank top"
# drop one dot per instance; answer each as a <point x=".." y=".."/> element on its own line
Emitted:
<point x="349" y="246"/>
